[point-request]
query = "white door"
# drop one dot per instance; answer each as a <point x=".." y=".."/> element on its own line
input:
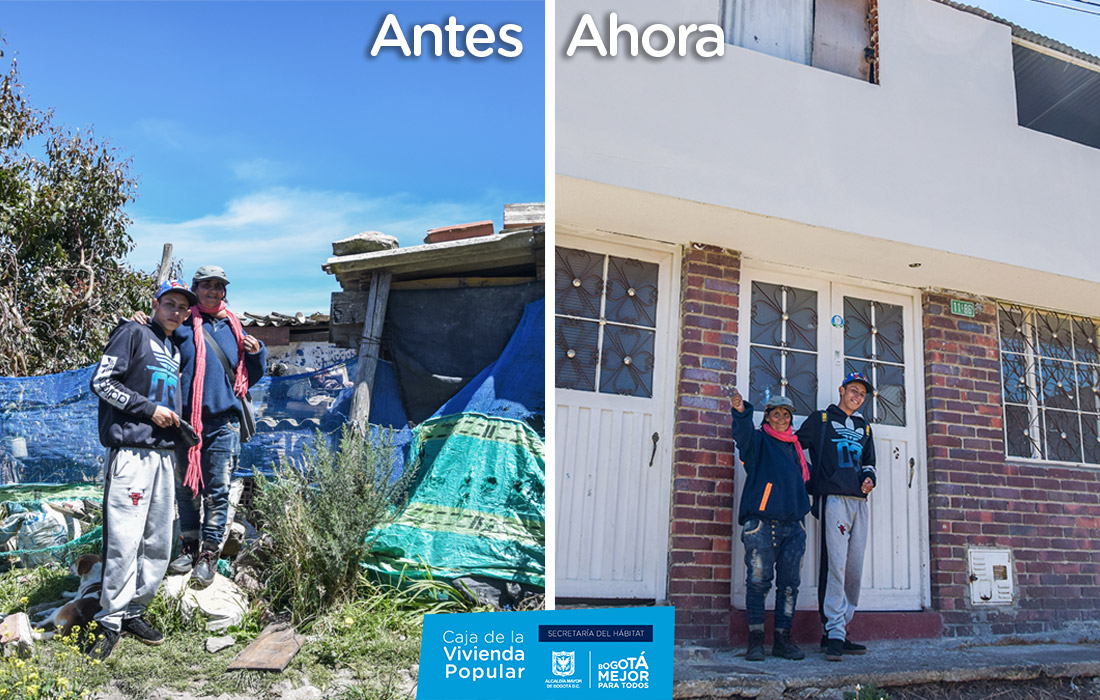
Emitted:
<point x="802" y="336"/>
<point x="613" y="332"/>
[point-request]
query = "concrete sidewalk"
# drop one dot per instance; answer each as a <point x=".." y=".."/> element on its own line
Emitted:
<point x="723" y="673"/>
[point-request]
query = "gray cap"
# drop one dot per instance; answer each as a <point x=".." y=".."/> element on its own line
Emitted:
<point x="210" y="272"/>
<point x="779" y="402"/>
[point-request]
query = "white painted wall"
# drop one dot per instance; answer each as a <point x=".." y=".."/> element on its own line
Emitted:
<point x="931" y="159"/>
<point x="308" y="355"/>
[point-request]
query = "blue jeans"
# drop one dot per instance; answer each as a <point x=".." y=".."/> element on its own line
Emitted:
<point x="221" y="448"/>
<point x="772" y="546"/>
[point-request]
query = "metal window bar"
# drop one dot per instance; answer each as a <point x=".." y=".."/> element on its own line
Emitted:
<point x="602" y="322"/>
<point x="875" y="363"/>
<point x="784" y="342"/>
<point x="1037" y="417"/>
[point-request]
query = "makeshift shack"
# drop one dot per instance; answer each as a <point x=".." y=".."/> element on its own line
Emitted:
<point x="458" y="324"/>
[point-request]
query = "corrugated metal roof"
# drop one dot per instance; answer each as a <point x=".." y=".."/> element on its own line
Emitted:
<point x="276" y="319"/>
<point x="1025" y="34"/>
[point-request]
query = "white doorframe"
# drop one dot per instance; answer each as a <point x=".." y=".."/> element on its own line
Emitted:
<point x="830" y="288"/>
<point x="654" y="575"/>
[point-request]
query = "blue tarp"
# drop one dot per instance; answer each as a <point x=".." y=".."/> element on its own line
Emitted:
<point x="49" y="435"/>
<point x="511" y="387"/>
<point x="49" y="432"/>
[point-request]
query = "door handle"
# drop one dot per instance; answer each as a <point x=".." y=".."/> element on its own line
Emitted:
<point x="912" y="464"/>
<point x="655" y="439"/>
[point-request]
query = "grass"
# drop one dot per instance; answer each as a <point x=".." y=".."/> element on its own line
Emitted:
<point x="315" y="518"/>
<point x="365" y="648"/>
<point x="362" y="637"/>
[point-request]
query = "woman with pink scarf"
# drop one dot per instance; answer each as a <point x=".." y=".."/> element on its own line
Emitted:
<point x="773" y="505"/>
<point x="212" y="403"/>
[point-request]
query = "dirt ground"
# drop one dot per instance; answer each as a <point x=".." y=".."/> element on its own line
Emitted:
<point x="284" y="690"/>
<point x="1038" y="689"/>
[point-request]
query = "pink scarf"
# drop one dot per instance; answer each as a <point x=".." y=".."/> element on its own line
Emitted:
<point x="790" y="437"/>
<point x="193" y="478"/>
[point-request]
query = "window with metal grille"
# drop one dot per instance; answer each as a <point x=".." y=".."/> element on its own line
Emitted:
<point x="874" y="344"/>
<point x="604" y="323"/>
<point x="1050" y="379"/>
<point x="783" y="346"/>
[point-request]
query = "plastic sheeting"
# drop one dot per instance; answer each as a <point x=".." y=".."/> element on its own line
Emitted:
<point x="511" y="387"/>
<point x="49" y="433"/>
<point x="477" y="505"/>
<point x="440" y="339"/>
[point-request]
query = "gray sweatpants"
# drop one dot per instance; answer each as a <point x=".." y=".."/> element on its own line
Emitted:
<point x="138" y="509"/>
<point x="846" y="521"/>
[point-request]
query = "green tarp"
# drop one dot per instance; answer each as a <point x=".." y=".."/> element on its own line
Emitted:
<point x="476" y="507"/>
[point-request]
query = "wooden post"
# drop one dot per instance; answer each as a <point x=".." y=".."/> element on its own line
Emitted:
<point x="369" y="344"/>
<point x="165" y="264"/>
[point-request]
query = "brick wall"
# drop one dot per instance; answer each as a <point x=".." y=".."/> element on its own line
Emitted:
<point x="1047" y="515"/>
<point x="702" y="491"/>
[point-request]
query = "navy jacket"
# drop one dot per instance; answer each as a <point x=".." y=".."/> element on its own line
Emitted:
<point x="774" y="489"/>
<point x="841" y="457"/>
<point x="218" y="398"/>
<point x="139" y="371"/>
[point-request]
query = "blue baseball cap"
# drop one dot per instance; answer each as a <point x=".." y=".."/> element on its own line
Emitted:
<point x="177" y="286"/>
<point x="858" y="377"/>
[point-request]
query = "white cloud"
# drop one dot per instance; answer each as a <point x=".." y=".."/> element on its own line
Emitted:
<point x="261" y="170"/>
<point x="273" y="242"/>
<point x="167" y="132"/>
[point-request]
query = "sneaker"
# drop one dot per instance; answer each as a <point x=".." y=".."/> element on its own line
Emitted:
<point x="854" y="649"/>
<point x="849" y="647"/>
<point x="139" y="627"/>
<point x="834" y="650"/>
<point x="755" y="651"/>
<point x="102" y="644"/>
<point x="206" y="565"/>
<point x="784" y="648"/>
<point x="186" y="560"/>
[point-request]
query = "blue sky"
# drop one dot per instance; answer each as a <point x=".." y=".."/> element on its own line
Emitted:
<point x="1080" y="30"/>
<point x="260" y="132"/>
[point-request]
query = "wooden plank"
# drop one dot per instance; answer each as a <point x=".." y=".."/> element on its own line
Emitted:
<point x="841" y="36"/>
<point x="369" y="344"/>
<point x="165" y="264"/>
<point x="271" y="651"/>
<point x="455" y="257"/>
<point x="460" y="282"/>
<point x="524" y="215"/>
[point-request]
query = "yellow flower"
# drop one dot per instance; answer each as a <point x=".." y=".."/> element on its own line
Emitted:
<point x="349" y="621"/>
<point x="24" y="600"/>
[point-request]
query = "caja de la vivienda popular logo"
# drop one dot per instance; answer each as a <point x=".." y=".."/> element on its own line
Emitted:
<point x="548" y="655"/>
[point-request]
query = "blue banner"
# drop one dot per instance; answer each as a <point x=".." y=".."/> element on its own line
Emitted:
<point x="593" y="653"/>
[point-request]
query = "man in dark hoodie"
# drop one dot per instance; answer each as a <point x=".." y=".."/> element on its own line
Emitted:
<point x="842" y="451"/>
<point x="773" y="505"/>
<point x="137" y="382"/>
